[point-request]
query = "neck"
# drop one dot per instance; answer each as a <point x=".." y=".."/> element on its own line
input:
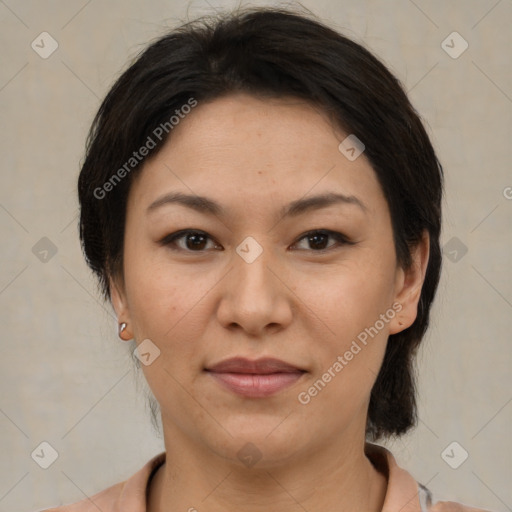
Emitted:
<point x="333" y="478"/>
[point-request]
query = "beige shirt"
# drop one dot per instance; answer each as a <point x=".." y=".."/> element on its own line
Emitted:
<point x="403" y="493"/>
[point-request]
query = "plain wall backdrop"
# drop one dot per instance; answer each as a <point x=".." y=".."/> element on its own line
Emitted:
<point x="66" y="378"/>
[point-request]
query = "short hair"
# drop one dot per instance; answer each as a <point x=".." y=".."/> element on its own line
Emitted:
<point x="272" y="53"/>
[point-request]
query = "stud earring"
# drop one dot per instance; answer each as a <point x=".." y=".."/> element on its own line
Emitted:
<point x="122" y="327"/>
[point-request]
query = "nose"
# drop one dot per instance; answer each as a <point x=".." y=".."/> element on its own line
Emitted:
<point x="255" y="296"/>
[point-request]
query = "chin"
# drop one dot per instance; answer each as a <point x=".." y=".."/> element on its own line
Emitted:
<point x="263" y="443"/>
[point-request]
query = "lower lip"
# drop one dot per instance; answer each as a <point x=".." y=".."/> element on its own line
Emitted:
<point x="254" y="385"/>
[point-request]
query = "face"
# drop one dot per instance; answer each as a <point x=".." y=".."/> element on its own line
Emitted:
<point x="316" y="285"/>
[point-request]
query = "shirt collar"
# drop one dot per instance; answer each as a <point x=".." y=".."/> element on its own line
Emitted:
<point x="402" y="495"/>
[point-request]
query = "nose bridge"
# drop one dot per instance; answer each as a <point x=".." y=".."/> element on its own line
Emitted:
<point x="253" y="297"/>
<point x="252" y="274"/>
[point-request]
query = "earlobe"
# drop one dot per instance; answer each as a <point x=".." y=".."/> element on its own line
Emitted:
<point x="123" y="332"/>
<point x="409" y="284"/>
<point x="118" y="299"/>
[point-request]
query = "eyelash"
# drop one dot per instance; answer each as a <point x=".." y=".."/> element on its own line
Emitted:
<point x="170" y="240"/>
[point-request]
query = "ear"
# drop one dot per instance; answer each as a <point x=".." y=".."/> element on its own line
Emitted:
<point x="119" y="303"/>
<point x="408" y="285"/>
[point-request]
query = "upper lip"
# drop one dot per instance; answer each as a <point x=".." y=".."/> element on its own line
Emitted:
<point x="261" y="366"/>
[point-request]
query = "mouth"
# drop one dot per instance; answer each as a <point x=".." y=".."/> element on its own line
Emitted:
<point x="255" y="378"/>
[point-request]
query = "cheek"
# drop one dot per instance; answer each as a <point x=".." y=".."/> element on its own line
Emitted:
<point x="169" y="305"/>
<point x="349" y="297"/>
<point x="354" y="306"/>
<point x="159" y="294"/>
<point x="350" y="355"/>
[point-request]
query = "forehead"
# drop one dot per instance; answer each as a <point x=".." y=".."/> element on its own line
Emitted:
<point x="256" y="151"/>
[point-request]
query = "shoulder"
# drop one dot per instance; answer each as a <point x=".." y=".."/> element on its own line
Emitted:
<point x="451" y="506"/>
<point x="402" y="485"/>
<point x="104" y="501"/>
<point x="129" y="494"/>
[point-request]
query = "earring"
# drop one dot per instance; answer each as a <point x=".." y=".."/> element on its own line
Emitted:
<point x="122" y="327"/>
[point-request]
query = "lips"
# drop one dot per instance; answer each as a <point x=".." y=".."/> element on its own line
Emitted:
<point x="255" y="379"/>
<point x="262" y="366"/>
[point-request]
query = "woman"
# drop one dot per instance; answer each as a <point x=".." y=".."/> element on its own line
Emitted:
<point x="262" y="206"/>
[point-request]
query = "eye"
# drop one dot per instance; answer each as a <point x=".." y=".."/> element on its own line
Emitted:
<point x="317" y="239"/>
<point x="194" y="241"/>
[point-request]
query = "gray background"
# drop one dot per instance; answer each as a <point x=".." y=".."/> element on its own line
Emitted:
<point x="67" y="380"/>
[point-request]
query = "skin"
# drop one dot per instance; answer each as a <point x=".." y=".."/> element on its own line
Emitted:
<point x="295" y="303"/>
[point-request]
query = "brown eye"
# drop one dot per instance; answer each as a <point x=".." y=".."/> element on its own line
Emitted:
<point x="318" y="240"/>
<point x="192" y="241"/>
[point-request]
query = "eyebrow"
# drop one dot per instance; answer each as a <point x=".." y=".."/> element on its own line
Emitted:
<point x="206" y="205"/>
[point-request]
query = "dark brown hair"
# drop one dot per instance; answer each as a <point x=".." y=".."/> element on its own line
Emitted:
<point x="273" y="52"/>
